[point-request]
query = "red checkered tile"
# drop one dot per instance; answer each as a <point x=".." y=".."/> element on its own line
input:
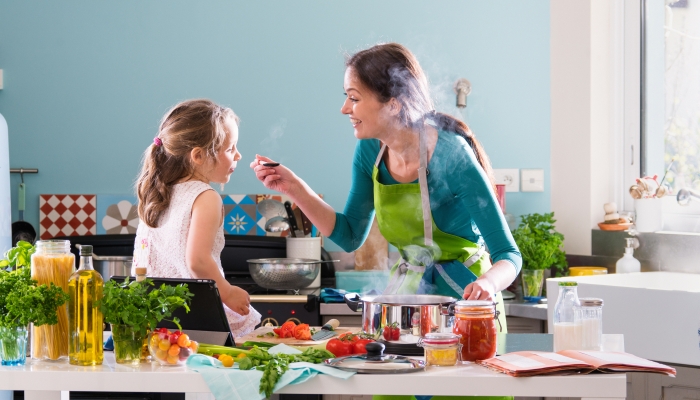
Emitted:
<point x="67" y="215"/>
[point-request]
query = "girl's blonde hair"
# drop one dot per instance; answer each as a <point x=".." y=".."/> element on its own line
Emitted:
<point x="188" y="125"/>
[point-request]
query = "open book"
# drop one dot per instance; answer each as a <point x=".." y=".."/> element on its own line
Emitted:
<point x="530" y="363"/>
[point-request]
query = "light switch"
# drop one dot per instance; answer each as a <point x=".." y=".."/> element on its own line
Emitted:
<point x="532" y="180"/>
<point x="508" y="177"/>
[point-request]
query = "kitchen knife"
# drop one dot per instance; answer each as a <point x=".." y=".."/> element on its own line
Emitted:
<point x="293" y="227"/>
<point x="300" y="223"/>
<point x="306" y="224"/>
<point x="327" y="330"/>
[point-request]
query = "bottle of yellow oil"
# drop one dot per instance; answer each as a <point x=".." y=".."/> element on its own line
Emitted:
<point x="84" y="317"/>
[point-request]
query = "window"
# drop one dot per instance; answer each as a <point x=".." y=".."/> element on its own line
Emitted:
<point x="670" y="98"/>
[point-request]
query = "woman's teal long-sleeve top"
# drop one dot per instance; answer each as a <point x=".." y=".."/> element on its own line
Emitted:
<point x="462" y="200"/>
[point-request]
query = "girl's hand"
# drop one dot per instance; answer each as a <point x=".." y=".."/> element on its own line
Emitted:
<point x="480" y="289"/>
<point x="279" y="178"/>
<point x="237" y="300"/>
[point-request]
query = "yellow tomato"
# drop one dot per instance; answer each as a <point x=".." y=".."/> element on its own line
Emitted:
<point x="226" y="360"/>
<point x="161" y="354"/>
<point x="183" y="340"/>
<point x="194" y="346"/>
<point x="164" y="345"/>
<point x="174" y="350"/>
<point x="240" y="356"/>
<point x="172" y="359"/>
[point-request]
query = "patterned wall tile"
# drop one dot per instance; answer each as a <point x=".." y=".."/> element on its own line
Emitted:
<point x="67" y="215"/>
<point x="241" y="215"/>
<point x="117" y="214"/>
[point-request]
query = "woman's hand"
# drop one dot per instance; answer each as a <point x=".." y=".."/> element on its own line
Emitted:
<point x="237" y="300"/>
<point x="480" y="289"/>
<point x="279" y="178"/>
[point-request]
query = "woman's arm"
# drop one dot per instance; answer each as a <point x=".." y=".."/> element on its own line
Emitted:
<point x="499" y="277"/>
<point x="349" y="229"/>
<point x="204" y="226"/>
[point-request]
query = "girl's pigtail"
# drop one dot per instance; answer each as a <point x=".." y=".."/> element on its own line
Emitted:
<point x="153" y="192"/>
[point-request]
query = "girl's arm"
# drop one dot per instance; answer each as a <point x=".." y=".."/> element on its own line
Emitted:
<point x="206" y="221"/>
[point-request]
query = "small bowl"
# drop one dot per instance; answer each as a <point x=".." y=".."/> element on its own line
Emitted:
<point x="170" y="348"/>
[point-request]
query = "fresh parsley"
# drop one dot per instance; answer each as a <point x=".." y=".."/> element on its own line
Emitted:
<point x="540" y="243"/>
<point x="140" y="305"/>
<point x="18" y="256"/>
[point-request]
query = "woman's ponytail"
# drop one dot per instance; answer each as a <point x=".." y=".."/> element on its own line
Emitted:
<point x="446" y="122"/>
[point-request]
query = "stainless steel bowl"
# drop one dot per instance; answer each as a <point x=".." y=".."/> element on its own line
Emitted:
<point x="109" y="266"/>
<point x="284" y="273"/>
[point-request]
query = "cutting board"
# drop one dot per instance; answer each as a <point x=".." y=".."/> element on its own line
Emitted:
<point x="253" y="337"/>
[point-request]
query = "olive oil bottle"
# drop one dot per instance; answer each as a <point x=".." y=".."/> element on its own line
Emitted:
<point x="84" y="317"/>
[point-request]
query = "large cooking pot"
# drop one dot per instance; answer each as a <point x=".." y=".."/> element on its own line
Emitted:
<point x="427" y="313"/>
<point x="109" y="266"/>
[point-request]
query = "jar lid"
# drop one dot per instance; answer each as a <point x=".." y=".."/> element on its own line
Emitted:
<point x="567" y="283"/>
<point x="140" y="270"/>
<point x="440" y="338"/>
<point x="474" y="303"/>
<point x="590" y="302"/>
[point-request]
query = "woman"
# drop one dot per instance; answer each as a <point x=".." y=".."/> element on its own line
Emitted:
<point x="424" y="174"/>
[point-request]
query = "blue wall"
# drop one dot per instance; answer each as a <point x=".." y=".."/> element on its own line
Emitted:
<point x="86" y="82"/>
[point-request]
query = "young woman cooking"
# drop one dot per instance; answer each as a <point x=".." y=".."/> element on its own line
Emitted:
<point x="425" y="176"/>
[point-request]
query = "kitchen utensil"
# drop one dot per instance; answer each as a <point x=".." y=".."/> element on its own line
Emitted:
<point x="269" y="208"/>
<point x="376" y="362"/>
<point x="685" y="195"/>
<point x="21" y="229"/>
<point x="661" y="191"/>
<point x="663" y="178"/>
<point x="271" y="164"/>
<point x="276" y="224"/>
<point x="383" y="310"/>
<point x="327" y="331"/>
<point x="300" y="225"/>
<point x="306" y="224"/>
<point x="284" y="273"/>
<point x="109" y="266"/>
<point x="293" y="227"/>
<point x="636" y="192"/>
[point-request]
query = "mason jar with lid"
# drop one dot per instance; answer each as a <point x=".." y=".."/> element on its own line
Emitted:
<point x="475" y="322"/>
<point x="588" y="319"/>
<point x="440" y="349"/>
<point x="52" y="263"/>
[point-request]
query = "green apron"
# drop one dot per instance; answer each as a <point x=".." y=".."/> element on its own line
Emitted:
<point x="432" y="261"/>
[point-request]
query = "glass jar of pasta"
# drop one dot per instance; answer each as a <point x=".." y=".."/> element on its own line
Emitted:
<point x="475" y="322"/>
<point x="52" y="263"/>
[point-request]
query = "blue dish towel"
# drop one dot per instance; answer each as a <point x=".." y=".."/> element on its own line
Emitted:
<point x="330" y="295"/>
<point x="234" y="384"/>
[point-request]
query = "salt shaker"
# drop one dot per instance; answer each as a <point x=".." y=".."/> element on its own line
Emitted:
<point x="588" y="318"/>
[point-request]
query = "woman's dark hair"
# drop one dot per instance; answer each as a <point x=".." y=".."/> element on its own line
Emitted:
<point x="390" y="70"/>
<point x="188" y="125"/>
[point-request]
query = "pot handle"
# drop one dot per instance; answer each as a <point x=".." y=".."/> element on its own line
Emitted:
<point x="353" y="301"/>
<point x="447" y="309"/>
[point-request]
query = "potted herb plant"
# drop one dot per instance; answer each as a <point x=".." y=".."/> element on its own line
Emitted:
<point x="540" y="246"/>
<point x="133" y="308"/>
<point x="23" y="301"/>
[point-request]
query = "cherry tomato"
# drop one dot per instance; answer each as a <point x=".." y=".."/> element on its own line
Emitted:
<point x="174" y="337"/>
<point x="359" y="346"/>
<point x="395" y="333"/>
<point x="391" y="332"/>
<point x="339" y="348"/>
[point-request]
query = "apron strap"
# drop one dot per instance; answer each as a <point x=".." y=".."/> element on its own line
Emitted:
<point x="467" y="263"/>
<point x="424" y="194"/>
<point x="379" y="156"/>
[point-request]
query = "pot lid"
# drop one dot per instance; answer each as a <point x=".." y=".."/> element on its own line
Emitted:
<point x="375" y="362"/>
<point x="409" y="299"/>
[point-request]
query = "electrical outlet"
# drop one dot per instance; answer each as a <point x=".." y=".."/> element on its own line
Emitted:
<point x="533" y="180"/>
<point x="508" y="177"/>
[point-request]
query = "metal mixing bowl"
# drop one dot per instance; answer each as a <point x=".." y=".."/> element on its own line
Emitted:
<point x="284" y="273"/>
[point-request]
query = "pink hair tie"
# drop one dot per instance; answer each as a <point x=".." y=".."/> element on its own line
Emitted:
<point x="157" y="141"/>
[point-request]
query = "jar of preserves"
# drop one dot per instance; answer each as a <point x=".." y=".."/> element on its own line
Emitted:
<point x="52" y="263"/>
<point x="440" y="349"/>
<point x="588" y="318"/>
<point x="475" y="323"/>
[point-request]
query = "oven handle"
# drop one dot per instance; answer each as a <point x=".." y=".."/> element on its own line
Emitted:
<point x="281" y="298"/>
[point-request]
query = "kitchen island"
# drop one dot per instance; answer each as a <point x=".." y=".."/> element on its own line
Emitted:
<point x="52" y="381"/>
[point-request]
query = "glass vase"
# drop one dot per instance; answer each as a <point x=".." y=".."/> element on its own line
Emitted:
<point x="127" y="344"/>
<point x="13" y="346"/>
<point x="532" y="282"/>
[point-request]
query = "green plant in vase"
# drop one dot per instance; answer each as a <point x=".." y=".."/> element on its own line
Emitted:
<point x="23" y="301"/>
<point x="540" y="246"/>
<point x="133" y="308"/>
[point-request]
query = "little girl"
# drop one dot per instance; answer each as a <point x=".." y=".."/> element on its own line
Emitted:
<point x="180" y="233"/>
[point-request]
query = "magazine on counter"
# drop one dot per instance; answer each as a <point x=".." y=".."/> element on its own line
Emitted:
<point x="531" y="363"/>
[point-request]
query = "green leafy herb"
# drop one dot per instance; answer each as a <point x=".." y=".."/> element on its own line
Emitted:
<point x="22" y="299"/>
<point x="267" y="334"/>
<point x="539" y="242"/>
<point x="18" y="256"/>
<point x="137" y="304"/>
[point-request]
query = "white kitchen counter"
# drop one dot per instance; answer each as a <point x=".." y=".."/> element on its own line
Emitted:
<point x="52" y="381"/>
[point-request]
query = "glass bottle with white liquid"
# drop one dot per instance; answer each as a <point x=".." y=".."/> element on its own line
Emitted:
<point x="565" y="326"/>
<point x="589" y="318"/>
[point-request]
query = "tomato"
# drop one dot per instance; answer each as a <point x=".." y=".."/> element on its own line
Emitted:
<point x="359" y="346"/>
<point x="349" y="337"/>
<point x="339" y="348"/>
<point x="302" y="332"/>
<point x="174" y="337"/>
<point x="391" y="332"/>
